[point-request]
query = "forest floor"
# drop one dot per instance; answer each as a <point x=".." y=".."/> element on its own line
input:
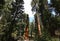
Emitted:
<point x="32" y="38"/>
<point x="55" y="39"/>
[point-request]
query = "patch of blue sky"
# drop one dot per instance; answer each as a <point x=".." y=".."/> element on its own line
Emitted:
<point x="49" y="1"/>
<point x="31" y="19"/>
<point x="53" y="12"/>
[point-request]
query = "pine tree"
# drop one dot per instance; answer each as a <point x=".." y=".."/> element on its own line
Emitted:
<point x="17" y="12"/>
<point x="12" y="12"/>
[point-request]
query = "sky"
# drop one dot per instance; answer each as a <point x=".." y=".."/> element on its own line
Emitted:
<point x="49" y="1"/>
<point x="27" y="9"/>
<point x="53" y="10"/>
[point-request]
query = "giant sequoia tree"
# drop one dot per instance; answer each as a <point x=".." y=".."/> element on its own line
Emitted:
<point x="48" y="20"/>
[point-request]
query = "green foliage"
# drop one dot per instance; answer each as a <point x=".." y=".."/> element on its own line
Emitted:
<point x="2" y="2"/>
<point x="56" y="5"/>
<point x="33" y="2"/>
<point x="44" y="37"/>
<point x="49" y="21"/>
<point x="8" y="29"/>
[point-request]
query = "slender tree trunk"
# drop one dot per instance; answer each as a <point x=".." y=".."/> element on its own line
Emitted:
<point x="26" y="34"/>
<point x="31" y="32"/>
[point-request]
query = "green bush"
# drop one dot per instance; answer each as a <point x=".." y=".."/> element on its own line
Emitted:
<point x="44" y="37"/>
